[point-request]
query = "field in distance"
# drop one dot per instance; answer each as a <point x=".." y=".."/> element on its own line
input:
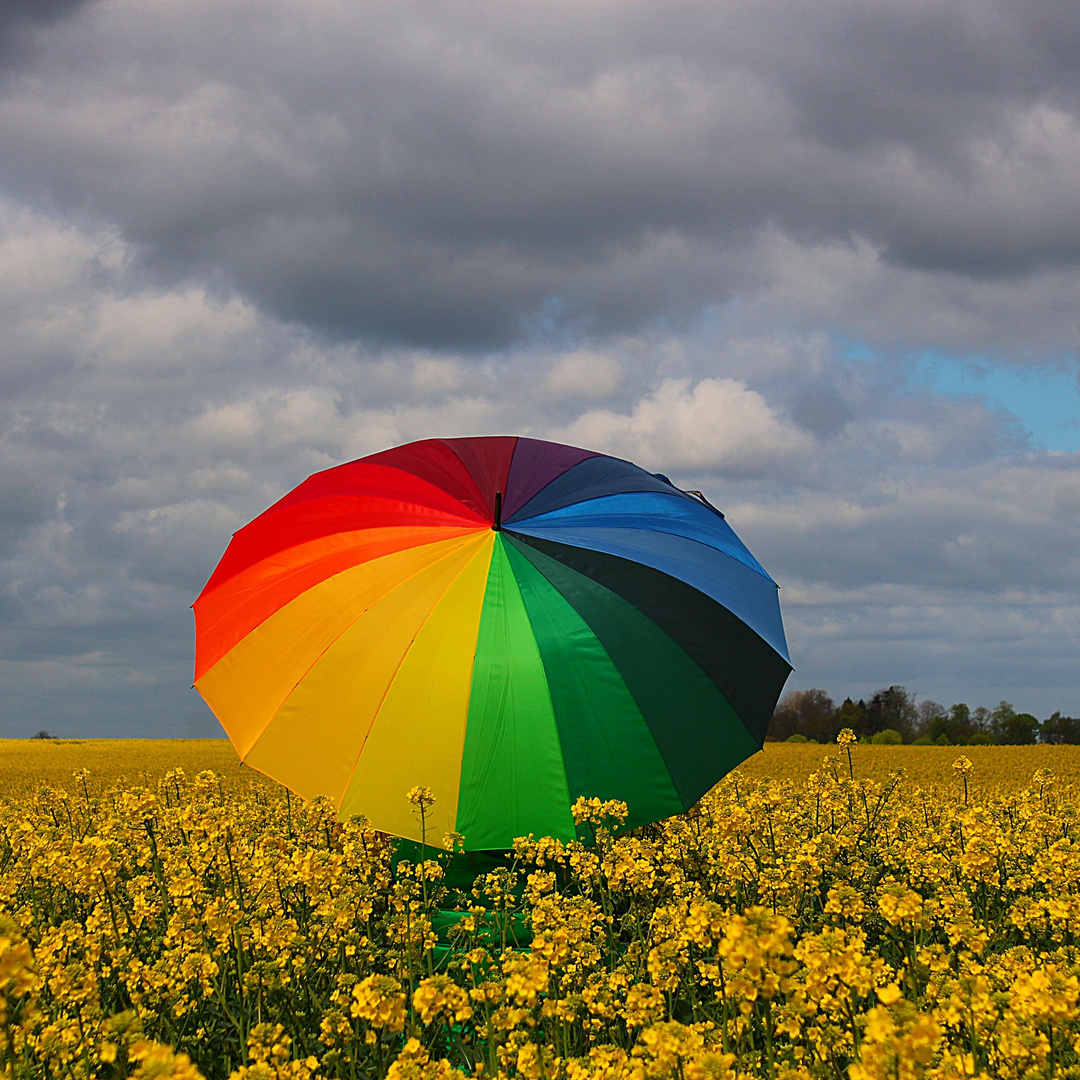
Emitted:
<point x="26" y="765"/>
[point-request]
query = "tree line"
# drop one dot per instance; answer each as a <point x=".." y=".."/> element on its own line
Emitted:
<point x="893" y="715"/>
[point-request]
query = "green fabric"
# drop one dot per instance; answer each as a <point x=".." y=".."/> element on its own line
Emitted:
<point x="607" y="747"/>
<point x="698" y="732"/>
<point x="513" y="780"/>
<point x="746" y="669"/>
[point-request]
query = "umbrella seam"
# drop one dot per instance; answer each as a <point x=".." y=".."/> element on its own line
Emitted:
<point x="397" y="669"/>
<point x="629" y="688"/>
<point x="590" y="454"/>
<point x="675" y="641"/>
<point x="329" y="577"/>
<point x="330" y="645"/>
<point x="274" y="507"/>
<point x="758" y="569"/>
<point x="720" y="603"/>
<point x="615" y="667"/>
<point x="477" y="523"/>
<point x="547" y="688"/>
<point x="580" y="547"/>
<point x="510" y="464"/>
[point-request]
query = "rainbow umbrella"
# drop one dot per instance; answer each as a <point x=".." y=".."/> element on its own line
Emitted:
<point x="509" y="622"/>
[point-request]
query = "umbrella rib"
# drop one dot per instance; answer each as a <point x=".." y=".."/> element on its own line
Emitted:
<point x="548" y="532"/>
<point x="755" y="565"/>
<point x="634" y="693"/>
<point x="352" y="622"/>
<point x="226" y="615"/>
<point x="540" y="545"/>
<point x="390" y="682"/>
<point x="472" y="521"/>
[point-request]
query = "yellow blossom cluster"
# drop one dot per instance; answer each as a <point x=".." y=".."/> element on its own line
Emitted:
<point x="838" y="926"/>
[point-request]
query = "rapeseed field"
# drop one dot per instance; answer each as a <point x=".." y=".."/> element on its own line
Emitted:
<point x="853" y="911"/>
<point x="28" y="764"/>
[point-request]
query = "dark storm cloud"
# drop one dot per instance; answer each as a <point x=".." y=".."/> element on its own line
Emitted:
<point x="820" y="408"/>
<point x="459" y="175"/>
<point x="19" y="19"/>
<point x="17" y="16"/>
<point x="22" y="508"/>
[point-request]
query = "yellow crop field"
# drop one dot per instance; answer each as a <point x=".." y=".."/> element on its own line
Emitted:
<point x="816" y="916"/>
<point x="27" y="764"/>
<point x="996" y="770"/>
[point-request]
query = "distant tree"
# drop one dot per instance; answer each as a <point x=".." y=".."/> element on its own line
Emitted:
<point x="1002" y="713"/>
<point x="956" y="726"/>
<point x="1060" y="729"/>
<point x="43" y="734"/>
<point x="887" y="737"/>
<point x="960" y="714"/>
<point x="852" y="714"/>
<point x="785" y="719"/>
<point x="804" y="712"/>
<point x="1022" y="729"/>
<point x="936" y="728"/>
<point x="1011" y="728"/>
<point x="892" y="708"/>
<point x="962" y="724"/>
<point x="929" y="711"/>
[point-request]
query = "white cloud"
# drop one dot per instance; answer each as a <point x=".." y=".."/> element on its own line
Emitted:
<point x="718" y="425"/>
<point x="158" y="329"/>
<point x="584" y="373"/>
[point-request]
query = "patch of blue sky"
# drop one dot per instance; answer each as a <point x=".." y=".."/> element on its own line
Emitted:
<point x="1045" y="399"/>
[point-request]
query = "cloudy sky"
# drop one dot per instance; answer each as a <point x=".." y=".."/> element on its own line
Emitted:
<point x="820" y="260"/>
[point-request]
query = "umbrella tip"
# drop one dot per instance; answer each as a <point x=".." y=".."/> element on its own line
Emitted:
<point x="701" y="496"/>
<point x="496" y="525"/>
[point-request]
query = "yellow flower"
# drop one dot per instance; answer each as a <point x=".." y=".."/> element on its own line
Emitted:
<point x="379" y="1000"/>
<point x="644" y="1005"/>
<point x="414" y="1063"/>
<point x="899" y="904"/>
<point x="526" y="977"/>
<point x="160" y="1062"/>
<point x="898" y="1044"/>
<point x="759" y="914"/>
<point x="598" y="812"/>
<point x="665" y="1047"/>
<point x="440" y="996"/>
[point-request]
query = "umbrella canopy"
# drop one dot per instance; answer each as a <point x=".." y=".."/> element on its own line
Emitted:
<point x="509" y="622"/>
